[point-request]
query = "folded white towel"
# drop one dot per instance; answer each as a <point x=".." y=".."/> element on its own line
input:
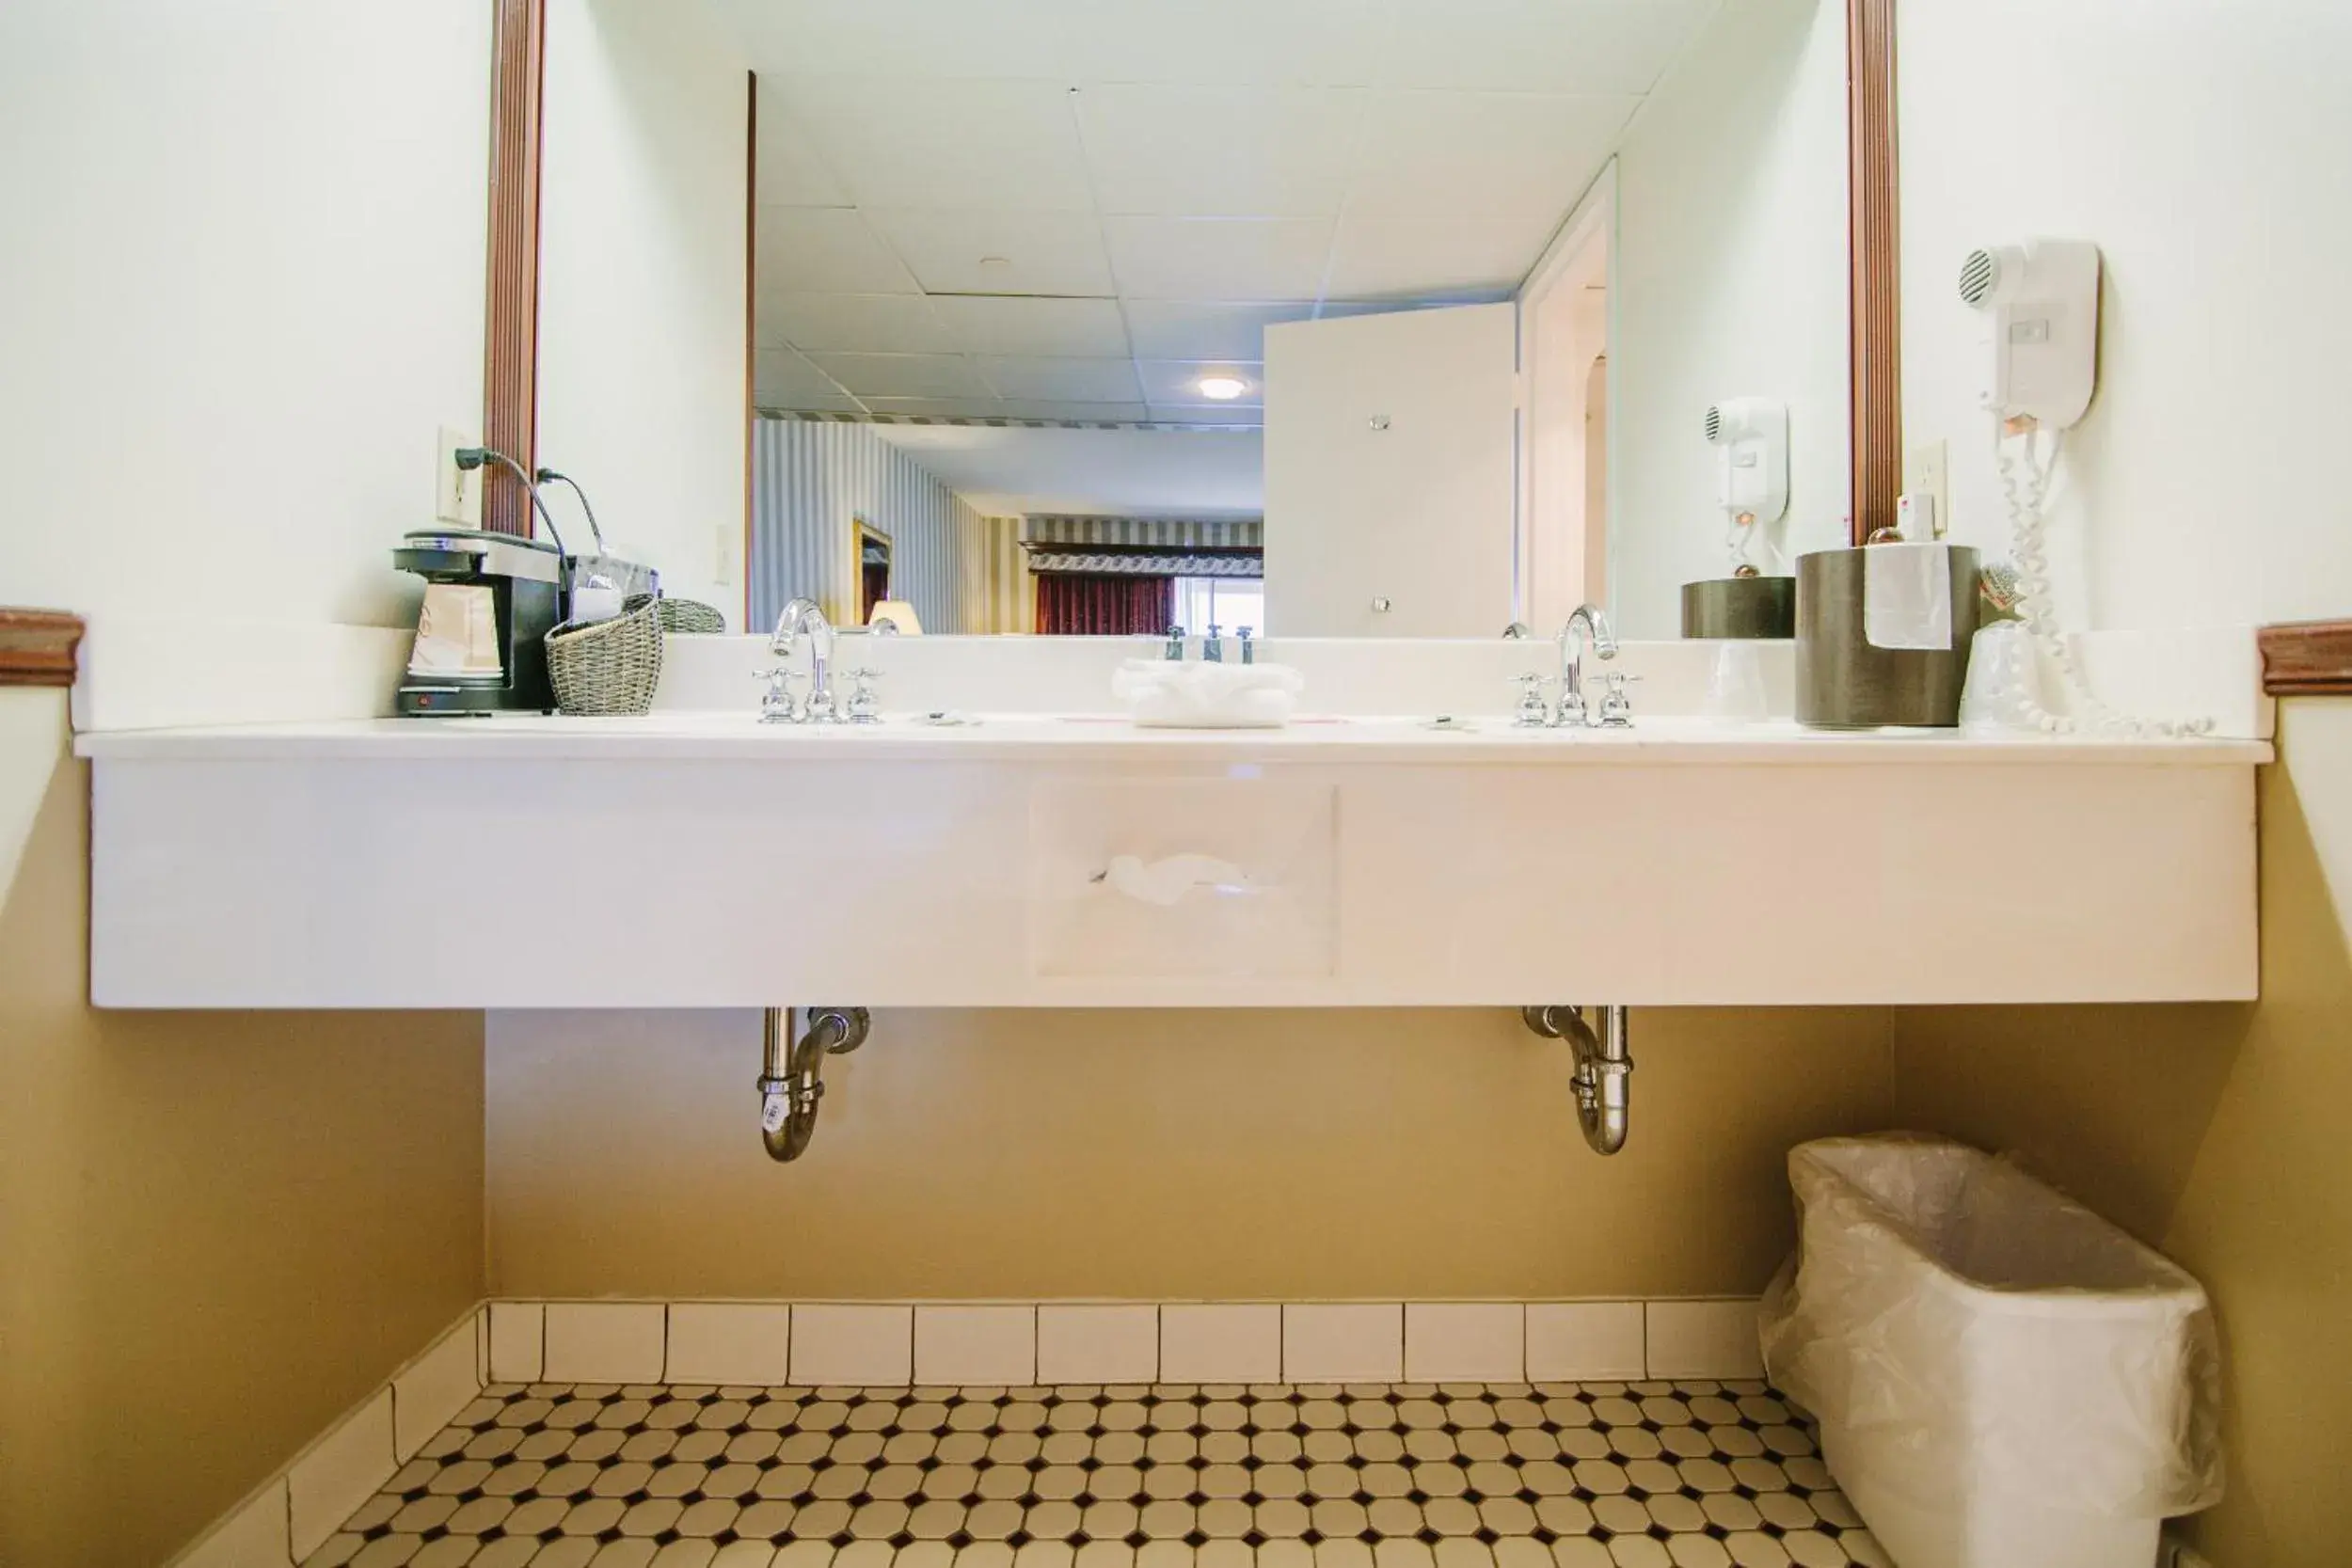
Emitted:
<point x="1172" y="695"/>
<point x="1907" y="595"/>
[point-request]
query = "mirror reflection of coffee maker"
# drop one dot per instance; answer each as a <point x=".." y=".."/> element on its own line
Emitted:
<point x="489" y="601"/>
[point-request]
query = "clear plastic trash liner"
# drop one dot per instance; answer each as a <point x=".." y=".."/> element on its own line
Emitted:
<point x="2002" y="1377"/>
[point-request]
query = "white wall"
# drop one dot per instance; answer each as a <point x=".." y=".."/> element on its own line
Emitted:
<point x="1563" y="345"/>
<point x="242" y="250"/>
<point x="2207" y="148"/>
<point x="641" y="306"/>
<point x="243" y="260"/>
<point x="1730" y="282"/>
<point x="1013" y="470"/>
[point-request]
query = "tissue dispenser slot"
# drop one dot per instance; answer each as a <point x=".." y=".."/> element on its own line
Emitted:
<point x="1208" y="878"/>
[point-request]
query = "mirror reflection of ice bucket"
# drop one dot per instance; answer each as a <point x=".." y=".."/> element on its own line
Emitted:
<point x="1758" y="607"/>
<point x="1843" y="680"/>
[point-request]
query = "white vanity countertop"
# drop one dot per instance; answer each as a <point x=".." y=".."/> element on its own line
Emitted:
<point x="1100" y="737"/>
<point x="241" y="863"/>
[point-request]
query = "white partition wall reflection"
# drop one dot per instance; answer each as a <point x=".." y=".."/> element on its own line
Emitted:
<point x="1389" y="474"/>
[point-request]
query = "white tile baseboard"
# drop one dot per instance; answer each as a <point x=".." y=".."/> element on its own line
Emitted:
<point x="1703" y="1340"/>
<point x="845" y="1342"/>
<point x="287" y="1518"/>
<point x="722" y="1342"/>
<point x="343" y="1471"/>
<point x="255" y="1533"/>
<point x="604" y="1342"/>
<point x="886" y="1344"/>
<point x="1344" y="1342"/>
<point x="1220" y="1342"/>
<point x="989" y="1346"/>
<point x="996" y="1344"/>
<point x="1098" y="1344"/>
<point x="1464" y="1341"/>
<point x="437" y="1385"/>
<point x="1586" y="1341"/>
<point x="517" y="1340"/>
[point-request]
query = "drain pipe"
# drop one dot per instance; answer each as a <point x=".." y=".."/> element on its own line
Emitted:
<point x="790" y="1087"/>
<point x="1604" y="1090"/>
<point x="1604" y="1068"/>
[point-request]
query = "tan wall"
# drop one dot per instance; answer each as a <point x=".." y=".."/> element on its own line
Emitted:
<point x="2222" y="1135"/>
<point x="1158" y="1154"/>
<point x="216" y="1230"/>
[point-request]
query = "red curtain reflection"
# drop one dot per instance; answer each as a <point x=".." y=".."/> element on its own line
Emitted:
<point x="1072" y="604"/>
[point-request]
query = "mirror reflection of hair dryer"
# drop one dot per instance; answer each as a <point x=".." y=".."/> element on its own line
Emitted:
<point x="1751" y="440"/>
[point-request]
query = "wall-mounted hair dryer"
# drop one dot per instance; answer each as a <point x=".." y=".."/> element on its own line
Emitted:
<point x="1751" y="440"/>
<point x="2040" y="305"/>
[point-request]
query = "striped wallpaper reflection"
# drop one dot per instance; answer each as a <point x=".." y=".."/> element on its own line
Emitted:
<point x="811" y="481"/>
<point x="993" y="576"/>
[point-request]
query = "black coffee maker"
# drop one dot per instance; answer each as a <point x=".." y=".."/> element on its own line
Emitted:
<point x="491" y="601"/>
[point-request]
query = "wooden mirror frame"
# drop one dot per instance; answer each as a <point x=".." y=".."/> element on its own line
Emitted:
<point x="510" y="371"/>
<point x="510" y="378"/>
<point x="1874" y="338"/>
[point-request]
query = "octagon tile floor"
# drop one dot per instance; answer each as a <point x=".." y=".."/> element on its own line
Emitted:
<point x="1596" y="1475"/>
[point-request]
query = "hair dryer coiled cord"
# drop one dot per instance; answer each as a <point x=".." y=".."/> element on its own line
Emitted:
<point x="2024" y="485"/>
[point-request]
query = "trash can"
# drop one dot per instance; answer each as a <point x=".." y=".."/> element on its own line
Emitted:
<point x="2003" y="1379"/>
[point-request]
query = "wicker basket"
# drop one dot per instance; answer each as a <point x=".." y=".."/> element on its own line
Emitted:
<point x="687" y="615"/>
<point x="607" y="667"/>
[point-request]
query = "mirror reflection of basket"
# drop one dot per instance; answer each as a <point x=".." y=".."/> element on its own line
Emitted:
<point x="686" y="616"/>
<point x="607" y="667"/>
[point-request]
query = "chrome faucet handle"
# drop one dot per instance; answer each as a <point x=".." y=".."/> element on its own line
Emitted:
<point x="1213" y="645"/>
<point x="863" y="709"/>
<point x="1249" y="653"/>
<point x="1176" y="645"/>
<point x="1534" y="711"/>
<point x="1617" y="709"/>
<point x="777" y="704"/>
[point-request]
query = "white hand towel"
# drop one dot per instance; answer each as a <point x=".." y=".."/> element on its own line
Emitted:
<point x="1907" y="595"/>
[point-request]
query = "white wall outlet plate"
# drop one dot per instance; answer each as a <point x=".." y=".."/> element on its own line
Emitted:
<point x="456" y="494"/>
<point x="723" y="562"/>
<point x="1928" y="471"/>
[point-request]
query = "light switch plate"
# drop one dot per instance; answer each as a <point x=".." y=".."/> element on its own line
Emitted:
<point x="723" y="562"/>
<point x="456" y="494"/>
<point x="1927" y="471"/>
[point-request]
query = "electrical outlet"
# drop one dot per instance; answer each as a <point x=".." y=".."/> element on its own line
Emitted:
<point x="456" y="494"/>
<point x="1928" y="472"/>
<point x="722" y="564"/>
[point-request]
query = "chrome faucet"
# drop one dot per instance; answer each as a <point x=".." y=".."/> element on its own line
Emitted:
<point x="803" y="614"/>
<point x="1213" y="645"/>
<point x="1588" y="625"/>
<point x="1175" y="645"/>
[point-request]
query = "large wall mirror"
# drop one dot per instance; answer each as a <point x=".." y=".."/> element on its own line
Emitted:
<point x="1327" y="318"/>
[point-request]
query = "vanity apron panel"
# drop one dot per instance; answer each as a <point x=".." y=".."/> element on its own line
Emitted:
<point x="646" y="883"/>
<point x="1223" y="878"/>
